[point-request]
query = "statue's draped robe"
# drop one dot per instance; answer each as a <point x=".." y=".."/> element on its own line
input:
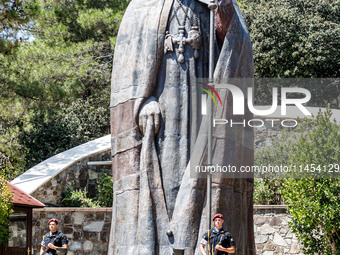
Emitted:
<point x="153" y="191"/>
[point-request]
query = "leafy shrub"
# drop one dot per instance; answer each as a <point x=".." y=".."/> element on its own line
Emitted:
<point x="5" y="210"/>
<point x="51" y="132"/>
<point x="105" y="190"/>
<point x="268" y="191"/>
<point x="294" y="38"/>
<point x="314" y="203"/>
<point x="77" y="198"/>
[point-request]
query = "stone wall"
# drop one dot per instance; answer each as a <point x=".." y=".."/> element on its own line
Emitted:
<point x="80" y="174"/>
<point x="272" y="234"/>
<point x="87" y="229"/>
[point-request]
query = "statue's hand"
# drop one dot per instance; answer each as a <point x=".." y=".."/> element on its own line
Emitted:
<point x="150" y="115"/>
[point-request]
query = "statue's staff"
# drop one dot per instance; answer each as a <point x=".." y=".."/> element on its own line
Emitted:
<point x="212" y="6"/>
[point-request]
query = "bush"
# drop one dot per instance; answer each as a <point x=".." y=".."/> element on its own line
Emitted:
<point x="51" y="132"/>
<point x="268" y="191"/>
<point x="77" y="198"/>
<point x="5" y="211"/>
<point x="294" y="38"/>
<point x="314" y="203"/>
<point x="105" y="190"/>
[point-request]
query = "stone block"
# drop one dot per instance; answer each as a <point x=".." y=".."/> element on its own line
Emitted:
<point x="92" y="236"/>
<point x="276" y="221"/>
<point x="294" y="240"/>
<point x="279" y="250"/>
<point x="294" y="249"/>
<point x="266" y="229"/>
<point x="289" y="234"/>
<point x="284" y="220"/>
<point x="101" y="247"/>
<point x="269" y="246"/>
<point x="259" y="221"/>
<point x="54" y="182"/>
<point x="51" y="215"/>
<point x="69" y="236"/>
<point x="94" y="226"/>
<point x="261" y="239"/>
<point x="259" y="248"/>
<point x="278" y="240"/>
<point x="74" y="246"/>
<point x="78" y="235"/>
<point x="268" y="253"/>
<point x="88" y="246"/>
<point x="92" y="174"/>
<point x="284" y="230"/>
<point x="78" y="218"/>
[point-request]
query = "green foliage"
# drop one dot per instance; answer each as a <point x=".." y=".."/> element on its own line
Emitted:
<point x="277" y="153"/>
<point x="315" y="211"/>
<point x="71" y="56"/>
<point x="267" y="191"/>
<point x="319" y="143"/>
<point x="11" y="117"/>
<point x="14" y="16"/>
<point x="5" y="211"/>
<point x="50" y="132"/>
<point x="55" y="87"/>
<point x="105" y="190"/>
<point x="77" y="198"/>
<point x="294" y="38"/>
<point x="314" y="202"/>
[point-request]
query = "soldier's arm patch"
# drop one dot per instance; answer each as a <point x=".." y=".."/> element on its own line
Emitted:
<point x="204" y="240"/>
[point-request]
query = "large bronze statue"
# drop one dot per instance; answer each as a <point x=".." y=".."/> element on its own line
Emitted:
<point x="161" y="50"/>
